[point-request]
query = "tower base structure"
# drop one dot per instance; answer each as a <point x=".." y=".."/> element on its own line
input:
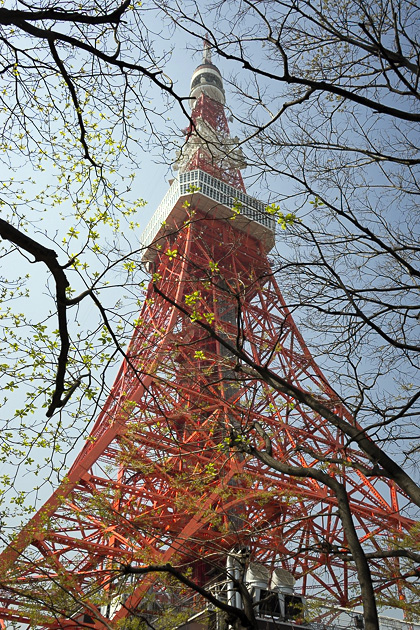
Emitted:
<point x="168" y="477"/>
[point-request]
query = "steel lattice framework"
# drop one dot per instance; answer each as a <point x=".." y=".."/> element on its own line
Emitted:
<point x="159" y="479"/>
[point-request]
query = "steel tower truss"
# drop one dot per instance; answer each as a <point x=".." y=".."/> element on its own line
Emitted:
<point x="161" y="478"/>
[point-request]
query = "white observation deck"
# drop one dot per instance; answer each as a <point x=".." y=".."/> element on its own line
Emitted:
<point x="214" y="198"/>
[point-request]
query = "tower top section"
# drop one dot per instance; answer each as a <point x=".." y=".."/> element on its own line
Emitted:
<point x="206" y="79"/>
<point x="209" y="182"/>
<point x="208" y="143"/>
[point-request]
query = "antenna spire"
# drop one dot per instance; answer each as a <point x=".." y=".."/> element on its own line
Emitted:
<point x="206" y="50"/>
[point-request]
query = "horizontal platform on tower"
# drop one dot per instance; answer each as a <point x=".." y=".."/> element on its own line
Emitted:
<point x="214" y="199"/>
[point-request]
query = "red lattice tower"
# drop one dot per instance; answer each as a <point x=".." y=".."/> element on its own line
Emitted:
<point x="158" y="482"/>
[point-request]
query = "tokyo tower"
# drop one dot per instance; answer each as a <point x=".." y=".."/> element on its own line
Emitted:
<point x="169" y="474"/>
